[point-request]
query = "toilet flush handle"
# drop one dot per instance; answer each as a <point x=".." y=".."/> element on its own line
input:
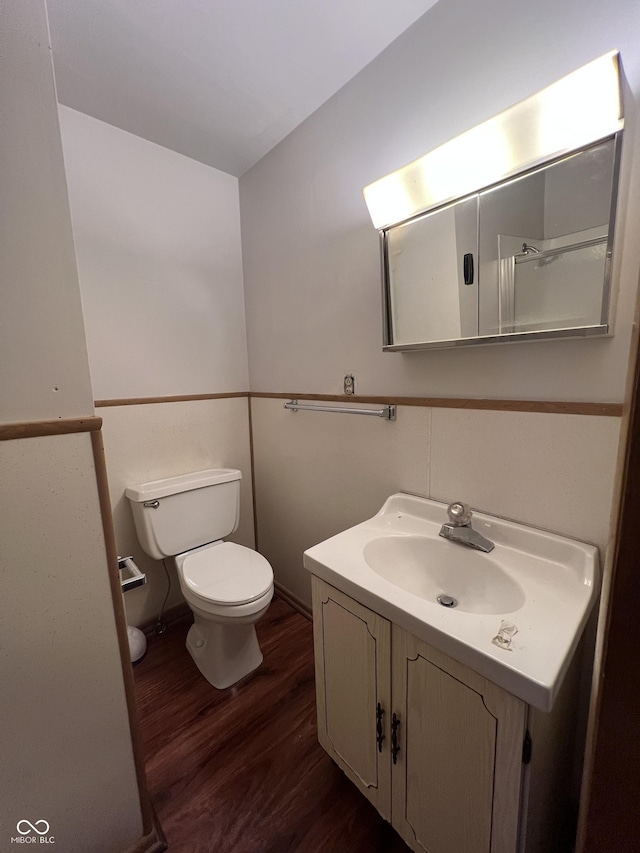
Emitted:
<point x="152" y="504"/>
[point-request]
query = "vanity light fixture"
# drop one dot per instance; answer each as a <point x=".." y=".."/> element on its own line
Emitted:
<point x="543" y="175"/>
<point x="577" y="110"/>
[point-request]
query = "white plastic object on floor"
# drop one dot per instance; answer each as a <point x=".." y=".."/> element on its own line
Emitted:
<point x="137" y="643"/>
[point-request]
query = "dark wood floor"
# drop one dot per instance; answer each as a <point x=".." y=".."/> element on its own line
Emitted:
<point x="240" y="770"/>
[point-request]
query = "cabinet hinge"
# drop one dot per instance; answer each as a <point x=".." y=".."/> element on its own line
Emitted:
<point x="527" y="746"/>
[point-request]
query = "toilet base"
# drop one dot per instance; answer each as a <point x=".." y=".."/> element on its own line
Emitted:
<point x="223" y="652"/>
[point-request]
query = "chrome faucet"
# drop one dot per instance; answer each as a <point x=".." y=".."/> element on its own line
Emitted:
<point x="459" y="529"/>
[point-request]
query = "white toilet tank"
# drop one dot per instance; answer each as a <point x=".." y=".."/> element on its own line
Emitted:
<point x="180" y="513"/>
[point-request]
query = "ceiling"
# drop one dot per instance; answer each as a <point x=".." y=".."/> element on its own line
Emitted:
<point x="221" y="81"/>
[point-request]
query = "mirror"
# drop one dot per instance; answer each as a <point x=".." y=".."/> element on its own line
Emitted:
<point x="505" y="233"/>
<point x="427" y="297"/>
<point x="529" y="257"/>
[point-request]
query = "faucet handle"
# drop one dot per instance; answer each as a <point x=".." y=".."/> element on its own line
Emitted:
<point x="459" y="513"/>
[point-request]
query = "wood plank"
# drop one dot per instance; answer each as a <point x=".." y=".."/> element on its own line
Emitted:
<point x="177" y="398"/>
<point x="252" y="457"/>
<point x="240" y="770"/>
<point x="60" y="426"/>
<point x="551" y="407"/>
<point x="148" y="818"/>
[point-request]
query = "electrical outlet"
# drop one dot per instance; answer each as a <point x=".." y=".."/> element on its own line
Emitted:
<point x="349" y="384"/>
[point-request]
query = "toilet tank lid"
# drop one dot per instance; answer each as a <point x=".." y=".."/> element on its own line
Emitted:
<point x="183" y="483"/>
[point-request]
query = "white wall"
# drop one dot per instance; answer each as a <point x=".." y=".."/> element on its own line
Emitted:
<point x="310" y="252"/>
<point x="158" y="244"/>
<point x="516" y="209"/>
<point x="43" y="356"/>
<point x="312" y="285"/>
<point x="317" y="474"/>
<point x="65" y="739"/>
<point x="65" y="742"/>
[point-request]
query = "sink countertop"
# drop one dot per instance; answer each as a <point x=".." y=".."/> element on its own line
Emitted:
<point x="558" y="576"/>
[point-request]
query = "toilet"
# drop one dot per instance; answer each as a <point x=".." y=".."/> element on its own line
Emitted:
<point x="227" y="586"/>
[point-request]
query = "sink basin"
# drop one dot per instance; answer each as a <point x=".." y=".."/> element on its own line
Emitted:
<point x="430" y="568"/>
<point x="541" y="584"/>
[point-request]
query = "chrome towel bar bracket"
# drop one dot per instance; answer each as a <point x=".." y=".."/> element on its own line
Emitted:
<point x="386" y="412"/>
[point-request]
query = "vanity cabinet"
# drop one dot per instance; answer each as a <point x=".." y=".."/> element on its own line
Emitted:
<point x="441" y="751"/>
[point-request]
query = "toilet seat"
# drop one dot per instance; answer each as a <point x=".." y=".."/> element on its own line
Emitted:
<point x="226" y="575"/>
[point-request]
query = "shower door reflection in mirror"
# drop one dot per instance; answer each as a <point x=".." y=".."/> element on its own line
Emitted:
<point x="552" y="273"/>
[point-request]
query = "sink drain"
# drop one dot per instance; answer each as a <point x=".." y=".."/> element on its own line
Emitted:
<point x="446" y="601"/>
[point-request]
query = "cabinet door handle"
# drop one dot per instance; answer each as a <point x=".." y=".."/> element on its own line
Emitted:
<point x="467" y="264"/>
<point x="395" y="749"/>
<point x="379" y="733"/>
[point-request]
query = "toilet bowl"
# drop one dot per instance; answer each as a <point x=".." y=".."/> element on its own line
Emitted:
<point x="227" y="586"/>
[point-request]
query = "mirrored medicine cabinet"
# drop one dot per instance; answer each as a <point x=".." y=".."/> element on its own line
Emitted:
<point x="506" y="233"/>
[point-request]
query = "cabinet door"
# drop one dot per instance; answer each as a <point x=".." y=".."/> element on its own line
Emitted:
<point x="456" y="780"/>
<point x="352" y="654"/>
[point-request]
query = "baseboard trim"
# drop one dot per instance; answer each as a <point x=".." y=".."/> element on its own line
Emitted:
<point x="173" y="614"/>
<point x="293" y="601"/>
<point x="149" y="823"/>
<point x="154" y="842"/>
